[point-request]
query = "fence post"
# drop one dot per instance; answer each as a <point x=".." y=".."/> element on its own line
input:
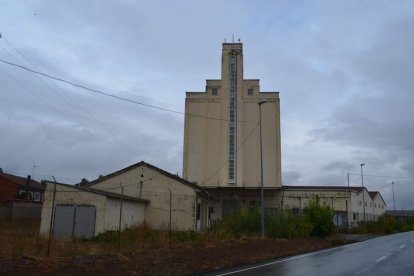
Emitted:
<point x="169" y="226"/>
<point x="120" y="217"/>
<point x="11" y="210"/>
<point x="208" y="217"/>
<point x="52" y="217"/>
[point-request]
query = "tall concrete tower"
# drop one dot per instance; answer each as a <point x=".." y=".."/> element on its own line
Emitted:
<point x="221" y="131"/>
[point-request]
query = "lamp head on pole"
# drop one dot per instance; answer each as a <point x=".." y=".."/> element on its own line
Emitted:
<point x="362" y="164"/>
<point x="261" y="102"/>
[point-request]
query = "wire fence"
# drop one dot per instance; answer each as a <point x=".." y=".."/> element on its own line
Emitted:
<point x="71" y="221"/>
<point x="75" y="220"/>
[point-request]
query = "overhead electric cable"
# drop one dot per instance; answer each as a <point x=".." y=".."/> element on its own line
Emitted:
<point x="68" y="99"/>
<point x="237" y="150"/>
<point x="385" y="176"/>
<point x="34" y="94"/>
<point x="115" y="96"/>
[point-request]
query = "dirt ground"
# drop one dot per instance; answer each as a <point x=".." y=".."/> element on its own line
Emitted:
<point x="176" y="260"/>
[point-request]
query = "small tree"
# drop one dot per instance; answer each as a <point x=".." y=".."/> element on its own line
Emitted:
<point x="320" y="218"/>
<point x="84" y="181"/>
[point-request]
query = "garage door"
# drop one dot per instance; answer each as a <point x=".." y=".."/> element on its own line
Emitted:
<point x="74" y="221"/>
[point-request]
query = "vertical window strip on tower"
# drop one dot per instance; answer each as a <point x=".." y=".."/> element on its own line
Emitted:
<point x="232" y="108"/>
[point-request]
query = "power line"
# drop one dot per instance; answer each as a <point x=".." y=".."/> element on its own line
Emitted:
<point x="34" y="94"/>
<point x="69" y="100"/>
<point x="237" y="150"/>
<point x="151" y="178"/>
<point x="115" y="96"/>
<point x="385" y="176"/>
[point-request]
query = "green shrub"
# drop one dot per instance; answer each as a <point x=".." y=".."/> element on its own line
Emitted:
<point x="320" y="218"/>
<point x="316" y="221"/>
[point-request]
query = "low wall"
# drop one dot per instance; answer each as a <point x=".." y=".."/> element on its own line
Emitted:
<point x="20" y="209"/>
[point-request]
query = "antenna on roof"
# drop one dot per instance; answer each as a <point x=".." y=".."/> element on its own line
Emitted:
<point x="33" y="169"/>
<point x="233" y="38"/>
<point x="239" y="39"/>
<point x="225" y="41"/>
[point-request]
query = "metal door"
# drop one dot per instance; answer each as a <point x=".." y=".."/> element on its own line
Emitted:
<point x="74" y="221"/>
<point x="63" y="223"/>
<point x="84" y="221"/>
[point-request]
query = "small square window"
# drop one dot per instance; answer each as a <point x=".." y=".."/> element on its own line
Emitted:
<point x="214" y="91"/>
<point x="250" y="91"/>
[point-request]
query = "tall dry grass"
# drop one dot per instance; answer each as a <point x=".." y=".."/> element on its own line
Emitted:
<point x="21" y="238"/>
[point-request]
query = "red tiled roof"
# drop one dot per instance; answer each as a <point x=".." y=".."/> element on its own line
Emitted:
<point x="22" y="181"/>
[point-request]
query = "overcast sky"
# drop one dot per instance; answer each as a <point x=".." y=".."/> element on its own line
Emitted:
<point x="344" y="69"/>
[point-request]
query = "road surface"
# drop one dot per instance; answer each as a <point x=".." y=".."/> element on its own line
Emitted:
<point x="387" y="255"/>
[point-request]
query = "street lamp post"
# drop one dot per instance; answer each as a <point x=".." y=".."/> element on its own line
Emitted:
<point x="261" y="171"/>
<point x="363" y="192"/>
<point x="393" y="198"/>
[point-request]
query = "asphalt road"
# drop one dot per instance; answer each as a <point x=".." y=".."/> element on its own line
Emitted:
<point x="387" y="255"/>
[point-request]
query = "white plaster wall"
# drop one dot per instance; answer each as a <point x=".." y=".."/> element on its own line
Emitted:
<point x="133" y="214"/>
<point x="156" y="188"/>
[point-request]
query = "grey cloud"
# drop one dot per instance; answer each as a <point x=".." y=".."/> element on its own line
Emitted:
<point x="291" y="177"/>
<point x="343" y="68"/>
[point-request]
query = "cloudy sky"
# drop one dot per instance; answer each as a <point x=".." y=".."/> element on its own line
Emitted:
<point x="344" y="69"/>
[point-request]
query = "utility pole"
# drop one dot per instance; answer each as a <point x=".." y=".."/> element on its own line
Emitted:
<point x="52" y="218"/>
<point x="261" y="171"/>
<point x="350" y="200"/>
<point x="363" y="189"/>
<point x="393" y="198"/>
<point x="120" y="218"/>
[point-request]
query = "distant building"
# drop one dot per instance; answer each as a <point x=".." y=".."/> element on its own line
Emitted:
<point x="15" y="187"/>
<point x="20" y="197"/>
<point x="346" y="202"/>
<point x="402" y="214"/>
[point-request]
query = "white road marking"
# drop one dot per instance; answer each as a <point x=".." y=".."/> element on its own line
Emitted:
<point x="380" y="259"/>
<point x="300" y="256"/>
<point x="402" y="246"/>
